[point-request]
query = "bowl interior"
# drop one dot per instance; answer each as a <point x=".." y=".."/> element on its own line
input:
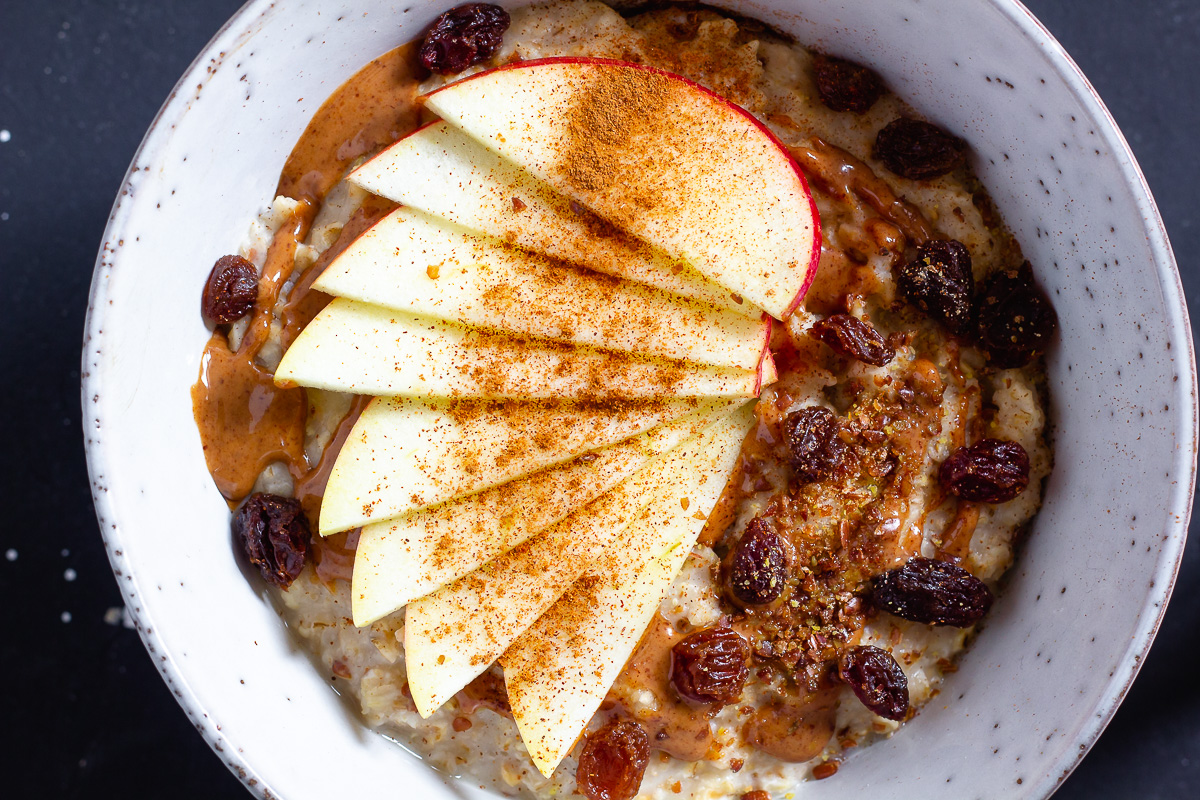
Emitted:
<point x="1086" y="593"/>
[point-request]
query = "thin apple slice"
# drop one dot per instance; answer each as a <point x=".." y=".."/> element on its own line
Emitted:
<point x="442" y="172"/>
<point x="561" y="668"/>
<point x="366" y="349"/>
<point x="412" y="262"/>
<point x="658" y="156"/>
<point x="455" y="633"/>
<point x="405" y="454"/>
<point x="399" y="560"/>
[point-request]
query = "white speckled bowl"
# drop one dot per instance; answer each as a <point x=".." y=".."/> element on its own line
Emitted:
<point x="1085" y="598"/>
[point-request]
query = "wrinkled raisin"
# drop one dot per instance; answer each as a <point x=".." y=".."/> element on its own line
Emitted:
<point x="989" y="471"/>
<point x="849" y="336"/>
<point x="709" y="666"/>
<point x="844" y="85"/>
<point x="230" y="291"/>
<point x="759" y="567"/>
<point x="918" y="150"/>
<point x="815" y="448"/>
<point x="1015" y="318"/>
<point x="463" y="37"/>
<point x="274" y="534"/>
<point x="940" y="283"/>
<point x="613" y="761"/>
<point x="877" y="681"/>
<point x="932" y="592"/>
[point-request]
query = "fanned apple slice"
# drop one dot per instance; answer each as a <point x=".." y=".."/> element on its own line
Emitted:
<point x="658" y="156"/>
<point x="412" y="262"/>
<point x="442" y="172"/>
<point x="454" y="634"/>
<point x="560" y="669"/>
<point x="405" y="454"/>
<point x="399" y="560"/>
<point x="365" y="349"/>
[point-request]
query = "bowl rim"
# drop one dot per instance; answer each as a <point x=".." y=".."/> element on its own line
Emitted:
<point x="1177" y="319"/>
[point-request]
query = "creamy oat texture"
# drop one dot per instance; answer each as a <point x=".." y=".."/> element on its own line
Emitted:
<point x="772" y="80"/>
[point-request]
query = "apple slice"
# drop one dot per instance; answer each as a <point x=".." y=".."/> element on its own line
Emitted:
<point x="412" y="262"/>
<point x="401" y="559"/>
<point x="658" y="156"/>
<point x="454" y="634"/>
<point x="365" y="349"/>
<point x="404" y="454"/>
<point x="442" y="172"/>
<point x="561" y="668"/>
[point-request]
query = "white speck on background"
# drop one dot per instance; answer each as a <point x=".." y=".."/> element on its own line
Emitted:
<point x="69" y="575"/>
<point x="47" y="71"/>
<point x="66" y="616"/>
<point x="5" y="135"/>
<point x="4" y="217"/>
<point x="119" y="615"/>
<point x="10" y="554"/>
<point x="65" y="552"/>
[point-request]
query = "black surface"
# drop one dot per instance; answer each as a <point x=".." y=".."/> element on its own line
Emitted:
<point x="83" y="714"/>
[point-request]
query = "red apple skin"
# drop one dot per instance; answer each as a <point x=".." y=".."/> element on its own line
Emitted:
<point x="814" y="257"/>
<point x="413" y="132"/>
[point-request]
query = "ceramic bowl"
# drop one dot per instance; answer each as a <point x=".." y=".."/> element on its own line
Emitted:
<point x="1082" y="603"/>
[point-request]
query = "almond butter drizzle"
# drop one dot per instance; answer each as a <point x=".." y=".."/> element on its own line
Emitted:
<point x="673" y="725"/>
<point x="844" y="177"/>
<point x="245" y="421"/>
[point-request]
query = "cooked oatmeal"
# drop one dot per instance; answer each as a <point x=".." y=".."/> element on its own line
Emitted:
<point x="888" y="411"/>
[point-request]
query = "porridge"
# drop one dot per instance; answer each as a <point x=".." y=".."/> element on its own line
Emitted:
<point x="889" y="471"/>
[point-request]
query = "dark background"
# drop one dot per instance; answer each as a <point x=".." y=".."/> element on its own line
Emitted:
<point x="83" y="714"/>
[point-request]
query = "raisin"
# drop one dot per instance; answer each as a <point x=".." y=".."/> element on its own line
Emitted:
<point x="844" y="85"/>
<point x="274" y="534"/>
<point x="463" y="37"/>
<point x="932" y="592"/>
<point x="815" y="448"/>
<point x="709" y="666"/>
<point x="989" y="471"/>
<point x="877" y="681"/>
<point x="758" y="569"/>
<point x="1015" y="318"/>
<point x="613" y="761"/>
<point x="918" y="150"/>
<point x="849" y="336"/>
<point x="940" y="283"/>
<point x="230" y="291"/>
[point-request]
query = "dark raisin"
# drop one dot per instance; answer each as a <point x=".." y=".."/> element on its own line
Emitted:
<point x="759" y="567"/>
<point x="274" y="534"/>
<point x="932" y="592"/>
<point x="877" y="681"/>
<point x="230" y="291"/>
<point x="815" y="448"/>
<point x="463" y="37"/>
<point x="844" y="85"/>
<point x="1015" y="318"/>
<point x="613" y="761"/>
<point x="709" y="666"/>
<point x="918" y="150"/>
<point x="940" y="283"/>
<point x="989" y="471"/>
<point x="849" y="336"/>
